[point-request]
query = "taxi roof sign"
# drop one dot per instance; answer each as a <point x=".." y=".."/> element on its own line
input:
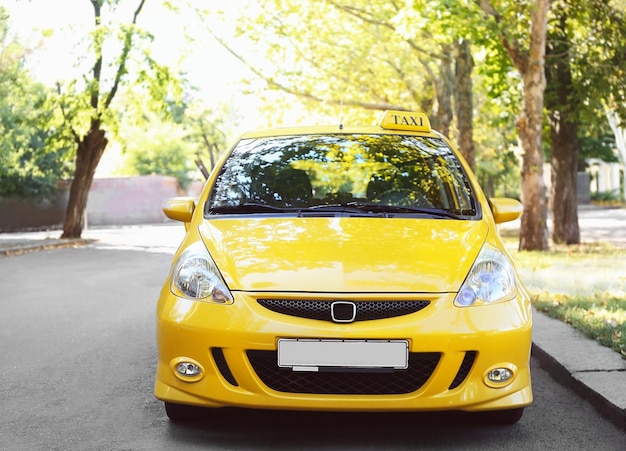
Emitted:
<point x="405" y="120"/>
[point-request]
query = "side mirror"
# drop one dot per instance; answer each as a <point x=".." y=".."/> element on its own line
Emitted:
<point x="505" y="209"/>
<point x="179" y="208"/>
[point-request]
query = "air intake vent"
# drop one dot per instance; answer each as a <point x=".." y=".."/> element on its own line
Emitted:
<point x="464" y="369"/>
<point x="222" y="365"/>
<point x="421" y="367"/>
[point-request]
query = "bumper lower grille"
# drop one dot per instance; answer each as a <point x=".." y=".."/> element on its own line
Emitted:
<point x="421" y="367"/>
<point x="321" y="309"/>
<point x="464" y="369"/>
<point x="222" y="366"/>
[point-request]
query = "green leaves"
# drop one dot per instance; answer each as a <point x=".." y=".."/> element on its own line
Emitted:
<point x="34" y="152"/>
<point x="159" y="148"/>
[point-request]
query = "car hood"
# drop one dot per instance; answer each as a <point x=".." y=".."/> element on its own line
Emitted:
<point x="343" y="255"/>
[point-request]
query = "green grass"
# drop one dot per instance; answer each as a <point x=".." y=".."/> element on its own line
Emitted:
<point x="582" y="285"/>
<point x="603" y="319"/>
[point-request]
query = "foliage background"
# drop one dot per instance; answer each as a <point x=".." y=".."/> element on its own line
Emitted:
<point x="278" y="62"/>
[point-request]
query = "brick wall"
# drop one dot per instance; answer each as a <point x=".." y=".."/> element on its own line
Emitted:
<point x="112" y="201"/>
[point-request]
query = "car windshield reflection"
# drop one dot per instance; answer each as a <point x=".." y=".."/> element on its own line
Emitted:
<point x="368" y="174"/>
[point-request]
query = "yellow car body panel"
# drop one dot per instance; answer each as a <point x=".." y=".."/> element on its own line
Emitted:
<point x="352" y="260"/>
<point x="347" y="254"/>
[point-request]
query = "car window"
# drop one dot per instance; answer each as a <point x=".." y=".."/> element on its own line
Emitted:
<point x="313" y="171"/>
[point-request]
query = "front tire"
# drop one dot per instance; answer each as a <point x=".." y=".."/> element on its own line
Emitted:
<point x="181" y="413"/>
<point x="502" y="417"/>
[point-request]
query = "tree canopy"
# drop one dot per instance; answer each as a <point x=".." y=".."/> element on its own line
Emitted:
<point x="34" y="153"/>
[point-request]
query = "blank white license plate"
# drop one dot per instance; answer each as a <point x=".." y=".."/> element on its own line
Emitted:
<point x="311" y="354"/>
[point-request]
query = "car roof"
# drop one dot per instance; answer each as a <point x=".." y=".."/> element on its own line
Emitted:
<point x="327" y="130"/>
<point x="392" y="122"/>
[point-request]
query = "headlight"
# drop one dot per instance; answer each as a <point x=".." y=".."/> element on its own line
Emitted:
<point x="491" y="279"/>
<point x="196" y="277"/>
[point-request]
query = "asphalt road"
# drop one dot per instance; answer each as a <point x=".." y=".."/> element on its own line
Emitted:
<point x="78" y="359"/>
<point x="596" y="223"/>
<point x="602" y="224"/>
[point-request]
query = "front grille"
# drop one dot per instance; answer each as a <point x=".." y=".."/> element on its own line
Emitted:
<point x="321" y="309"/>
<point x="421" y="366"/>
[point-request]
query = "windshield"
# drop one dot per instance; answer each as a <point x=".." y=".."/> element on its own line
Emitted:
<point x="392" y="173"/>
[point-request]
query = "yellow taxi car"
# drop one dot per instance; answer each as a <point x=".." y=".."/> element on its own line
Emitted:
<point x="344" y="269"/>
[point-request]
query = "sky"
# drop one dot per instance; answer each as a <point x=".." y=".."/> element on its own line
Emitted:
<point x="206" y="63"/>
<point x="180" y="40"/>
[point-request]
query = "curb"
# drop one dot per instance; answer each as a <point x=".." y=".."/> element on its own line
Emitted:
<point x="594" y="372"/>
<point x="35" y="247"/>
<point x="605" y="407"/>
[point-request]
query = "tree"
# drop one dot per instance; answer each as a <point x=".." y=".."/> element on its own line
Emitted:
<point x="498" y="100"/>
<point x="529" y="61"/>
<point x="465" y="100"/>
<point x="380" y="60"/>
<point x="318" y="65"/>
<point x="563" y="107"/>
<point x="34" y="154"/>
<point x="158" y="147"/>
<point x="168" y="142"/>
<point x="88" y="109"/>
<point x="586" y="53"/>
<point x="205" y="132"/>
<point x="608" y="28"/>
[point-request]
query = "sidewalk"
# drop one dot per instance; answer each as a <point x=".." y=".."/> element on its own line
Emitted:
<point x="21" y="243"/>
<point x="595" y="372"/>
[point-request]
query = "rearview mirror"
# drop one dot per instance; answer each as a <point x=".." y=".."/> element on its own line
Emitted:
<point x="505" y="209"/>
<point x="179" y="208"/>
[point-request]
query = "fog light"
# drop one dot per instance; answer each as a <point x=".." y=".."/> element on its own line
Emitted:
<point x="499" y="375"/>
<point x="188" y="369"/>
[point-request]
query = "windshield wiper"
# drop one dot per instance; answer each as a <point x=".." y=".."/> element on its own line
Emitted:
<point x="356" y="208"/>
<point x="376" y="207"/>
<point x="349" y="208"/>
<point x="248" y="207"/>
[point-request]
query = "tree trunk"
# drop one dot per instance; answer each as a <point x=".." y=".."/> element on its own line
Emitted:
<point x="561" y="104"/>
<point x="464" y="101"/>
<point x="530" y="64"/>
<point x="564" y="161"/>
<point x="534" y="226"/>
<point x="90" y="150"/>
<point x="445" y="88"/>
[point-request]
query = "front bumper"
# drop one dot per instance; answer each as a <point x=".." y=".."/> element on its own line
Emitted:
<point x="451" y="351"/>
